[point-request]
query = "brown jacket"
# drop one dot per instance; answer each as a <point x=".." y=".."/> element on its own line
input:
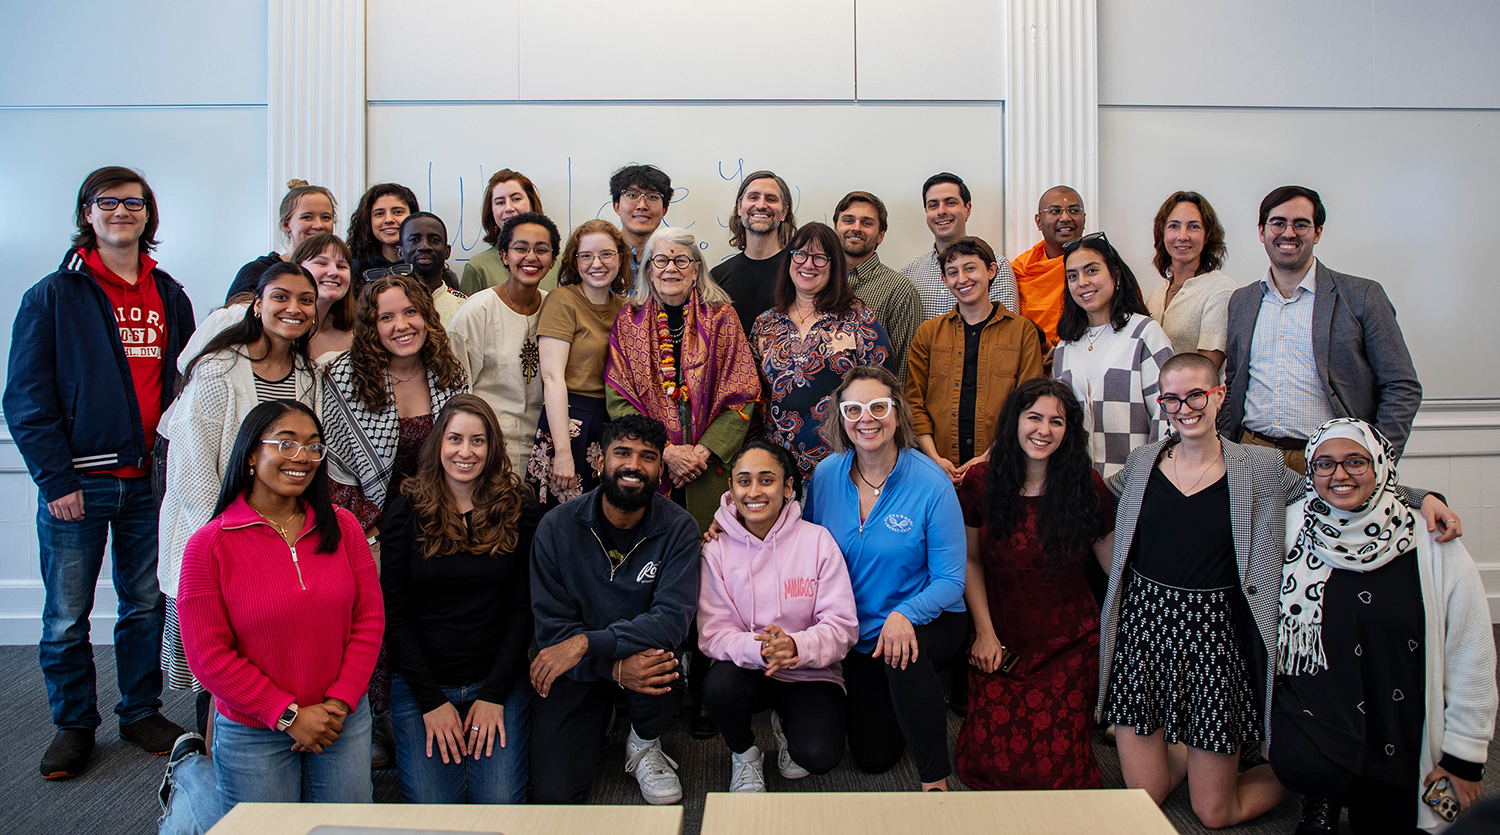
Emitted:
<point x="1009" y="353"/>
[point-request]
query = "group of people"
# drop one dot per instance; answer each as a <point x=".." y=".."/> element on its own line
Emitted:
<point x="593" y="477"/>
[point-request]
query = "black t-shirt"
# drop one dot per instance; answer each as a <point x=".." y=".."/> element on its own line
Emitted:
<point x="618" y="542"/>
<point x="750" y="283"/>
<point x="1185" y="541"/>
<point x="456" y="619"/>
<point x="249" y="275"/>
<point x="968" y="389"/>
<point x="1367" y="710"/>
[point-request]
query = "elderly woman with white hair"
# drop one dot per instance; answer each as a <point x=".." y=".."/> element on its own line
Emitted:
<point x="677" y="353"/>
<point x="1385" y="693"/>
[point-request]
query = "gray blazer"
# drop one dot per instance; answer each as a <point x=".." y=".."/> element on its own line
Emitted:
<point x="1361" y="355"/>
<point x="1260" y="488"/>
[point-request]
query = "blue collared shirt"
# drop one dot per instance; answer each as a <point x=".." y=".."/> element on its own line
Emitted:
<point x="1285" y="397"/>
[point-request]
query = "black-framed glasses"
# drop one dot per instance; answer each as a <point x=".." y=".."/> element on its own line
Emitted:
<point x="1354" y="465"/>
<point x="109" y="204"/>
<point x="878" y="408"/>
<point x="1298" y="227"/>
<point x="377" y="273"/>
<point x="608" y="256"/>
<point x="1059" y="211"/>
<point x="1070" y="247"/>
<point x="818" y="258"/>
<point x="651" y="198"/>
<point x="682" y="262"/>
<point x="1172" y="404"/>
<point x="289" y="449"/>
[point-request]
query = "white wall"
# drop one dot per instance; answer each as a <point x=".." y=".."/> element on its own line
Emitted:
<point x="1389" y="110"/>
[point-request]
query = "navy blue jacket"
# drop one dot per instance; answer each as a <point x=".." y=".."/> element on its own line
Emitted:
<point x="646" y="603"/>
<point x="69" y="398"/>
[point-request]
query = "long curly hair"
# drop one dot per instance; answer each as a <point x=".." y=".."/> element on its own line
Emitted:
<point x="362" y="240"/>
<point x="498" y="496"/>
<point x="1068" y="520"/>
<point x="369" y="358"/>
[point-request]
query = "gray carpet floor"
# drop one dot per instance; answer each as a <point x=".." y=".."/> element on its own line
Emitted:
<point x="117" y="794"/>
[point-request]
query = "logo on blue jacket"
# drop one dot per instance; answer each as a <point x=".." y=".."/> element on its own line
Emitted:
<point x="648" y="573"/>
<point x="899" y="523"/>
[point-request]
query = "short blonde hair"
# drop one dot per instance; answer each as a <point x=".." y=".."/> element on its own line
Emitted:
<point x="833" y="427"/>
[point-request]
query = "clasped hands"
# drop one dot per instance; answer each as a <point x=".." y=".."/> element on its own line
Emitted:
<point x="649" y="671"/>
<point x="685" y="463"/>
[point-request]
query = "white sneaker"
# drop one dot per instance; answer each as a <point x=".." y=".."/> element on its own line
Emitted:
<point x="784" y="763"/>
<point x="747" y="771"/>
<point x="653" y="770"/>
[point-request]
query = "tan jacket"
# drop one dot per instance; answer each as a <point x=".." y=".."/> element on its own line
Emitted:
<point x="1009" y="353"/>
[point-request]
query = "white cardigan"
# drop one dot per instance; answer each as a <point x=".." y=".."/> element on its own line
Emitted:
<point x="202" y="425"/>
<point x="1461" y="692"/>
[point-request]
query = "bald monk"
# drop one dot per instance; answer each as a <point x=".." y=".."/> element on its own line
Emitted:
<point x="1039" y="270"/>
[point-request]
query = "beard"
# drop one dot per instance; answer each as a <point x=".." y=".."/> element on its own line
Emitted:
<point x="628" y="499"/>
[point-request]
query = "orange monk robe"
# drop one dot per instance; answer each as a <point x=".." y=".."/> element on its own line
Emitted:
<point x="1040" y="285"/>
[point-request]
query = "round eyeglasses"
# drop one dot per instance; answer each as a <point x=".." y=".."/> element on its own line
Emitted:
<point x="289" y="449"/>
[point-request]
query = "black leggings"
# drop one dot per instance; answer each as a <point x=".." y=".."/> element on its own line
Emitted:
<point x="1375" y="808"/>
<point x="890" y="709"/>
<point x="812" y="713"/>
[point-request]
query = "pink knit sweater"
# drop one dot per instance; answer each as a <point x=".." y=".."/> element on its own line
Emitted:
<point x="262" y="631"/>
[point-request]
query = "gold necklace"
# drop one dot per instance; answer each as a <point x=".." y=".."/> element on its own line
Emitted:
<point x="1191" y="490"/>
<point x="1094" y="337"/>
<point x="504" y="294"/>
<point x="281" y="526"/>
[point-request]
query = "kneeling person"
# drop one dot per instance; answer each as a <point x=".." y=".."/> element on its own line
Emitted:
<point x="776" y="613"/>
<point x="614" y="586"/>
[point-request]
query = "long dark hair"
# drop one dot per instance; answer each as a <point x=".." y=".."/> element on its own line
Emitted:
<point x="238" y="480"/>
<point x="361" y="233"/>
<point x="498" y="497"/>
<point x="835" y="297"/>
<point x="249" y="329"/>
<point x="1127" y="299"/>
<point x="1068" y="520"/>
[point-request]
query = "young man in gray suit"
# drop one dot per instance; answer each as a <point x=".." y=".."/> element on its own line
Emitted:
<point x="1307" y="344"/>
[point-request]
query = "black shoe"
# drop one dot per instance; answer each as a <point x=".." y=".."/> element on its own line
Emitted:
<point x="186" y="745"/>
<point x="155" y="734"/>
<point x="703" y="727"/>
<point x="68" y="755"/>
<point x="1319" y="817"/>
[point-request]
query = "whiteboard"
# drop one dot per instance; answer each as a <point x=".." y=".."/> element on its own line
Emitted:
<point x="446" y="153"/>
<point x="1411" y="199"/>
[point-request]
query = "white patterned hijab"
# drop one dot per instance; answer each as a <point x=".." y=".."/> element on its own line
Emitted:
<point x="1362" y="539"/>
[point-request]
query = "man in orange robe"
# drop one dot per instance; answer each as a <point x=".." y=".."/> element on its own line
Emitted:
<point x="1039" y="271"/>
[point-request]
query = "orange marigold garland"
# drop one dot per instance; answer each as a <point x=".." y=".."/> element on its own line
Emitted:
<point x="668" y="356"/>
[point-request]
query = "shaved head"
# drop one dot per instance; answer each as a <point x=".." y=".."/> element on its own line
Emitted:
<point x="1060" y="217"/>
<point x="1055" y="194"/>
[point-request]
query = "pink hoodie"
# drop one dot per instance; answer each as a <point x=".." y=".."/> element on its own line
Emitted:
<point x="795" y="578"/>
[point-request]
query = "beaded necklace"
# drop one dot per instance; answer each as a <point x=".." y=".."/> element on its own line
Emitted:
<point x="668" y="358"/>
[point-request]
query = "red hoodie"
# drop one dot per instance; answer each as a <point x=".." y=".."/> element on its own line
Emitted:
<point x="143" y="333"/>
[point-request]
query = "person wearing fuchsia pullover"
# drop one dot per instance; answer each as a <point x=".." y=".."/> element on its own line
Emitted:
<point x="776" y="613"/>
<point x="281" y="616"/>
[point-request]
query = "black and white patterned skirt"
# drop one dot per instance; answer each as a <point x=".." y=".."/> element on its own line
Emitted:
<point x="1179" y="666"/>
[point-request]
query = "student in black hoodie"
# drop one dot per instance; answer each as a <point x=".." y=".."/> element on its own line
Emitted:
<point x="614" y="586"/>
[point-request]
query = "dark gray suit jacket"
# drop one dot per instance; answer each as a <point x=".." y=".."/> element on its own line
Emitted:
<point x="1361" y="355"/>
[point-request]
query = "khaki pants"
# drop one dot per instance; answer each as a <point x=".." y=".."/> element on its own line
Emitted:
<point x="1294" y="459"/>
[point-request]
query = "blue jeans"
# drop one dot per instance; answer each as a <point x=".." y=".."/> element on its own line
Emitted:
<point x="257" y="765"/>
<point x="193" y="804"/>
<point x="499" y="778"/>
<point x="72" y="554"/>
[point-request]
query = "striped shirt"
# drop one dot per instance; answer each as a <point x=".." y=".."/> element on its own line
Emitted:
<point x="925" y="273"/>
<point x="283" y="389"/>
<point x="1285" y="396"/>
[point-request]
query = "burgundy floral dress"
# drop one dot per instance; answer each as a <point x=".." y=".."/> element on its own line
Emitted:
<point x="1031" y="729"/>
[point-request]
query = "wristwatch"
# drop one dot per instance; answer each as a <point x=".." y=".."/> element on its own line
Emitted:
<point x="288" y="716"/>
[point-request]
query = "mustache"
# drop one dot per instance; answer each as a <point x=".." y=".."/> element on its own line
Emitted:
<point x="619" y="474"/>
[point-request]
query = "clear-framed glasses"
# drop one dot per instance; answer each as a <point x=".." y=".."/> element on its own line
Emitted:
<point x="377" y="273"/>
<point x="1354" y="465"/>
<point x="1172" y="404"/>
<point x="1298" y="227"/>
<point x="289" y="449"/>
<point x="818" y="258"/>
<point x="661" y="261"/>
<point x="109" y="204"/>
<point x="650" y="198"/>
<point x="524" y="249"/>
<point x="1059" y="211"/>
<point x="608" y="256"/>
<point x="878" y="408"/>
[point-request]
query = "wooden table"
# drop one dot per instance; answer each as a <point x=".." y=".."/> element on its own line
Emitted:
<point x="298" y="818"/>
<point x="1098" y="812"/>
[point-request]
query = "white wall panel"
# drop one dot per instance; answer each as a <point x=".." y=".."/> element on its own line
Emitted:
<point x="442" y="50"/>
<point x="1437" y="53"/>
<point x="913" y="51"/>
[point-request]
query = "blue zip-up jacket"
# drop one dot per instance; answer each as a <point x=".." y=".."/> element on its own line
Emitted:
<point x="646" y="603"/>
<point x="70" y="409"/>
<point x="909" y="556"/>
